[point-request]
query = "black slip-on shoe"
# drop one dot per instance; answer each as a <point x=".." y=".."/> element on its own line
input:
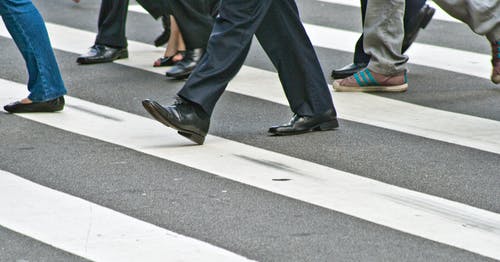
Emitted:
<point x="53" y="105"/>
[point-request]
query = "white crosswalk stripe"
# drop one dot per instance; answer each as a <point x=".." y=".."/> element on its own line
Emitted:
<point x="92" y="231"/>
<point x="102" y="234"/>
<point x="333" y="189"/>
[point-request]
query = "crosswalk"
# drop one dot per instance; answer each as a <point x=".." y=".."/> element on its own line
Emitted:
<point x="92" y="231"/>
<point x="98" y="233"/>
<point x="387" y="113"/>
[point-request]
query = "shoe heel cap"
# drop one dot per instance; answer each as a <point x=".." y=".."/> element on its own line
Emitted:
<point x="328" y="125"/>
<point x="193" y="137"/>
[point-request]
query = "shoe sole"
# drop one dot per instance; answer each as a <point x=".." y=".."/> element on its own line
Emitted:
<point x="326" y="126"/>
<point x="50" y="107"/>
<point x="52" y="110"/>
<point x="398" y="88"/>
<point x="153" y="109"/>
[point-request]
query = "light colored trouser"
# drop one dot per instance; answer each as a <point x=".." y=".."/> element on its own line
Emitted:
<point x="384" y="31"/>
<point x="482" y="16"/>
<point x="383" y="36"/>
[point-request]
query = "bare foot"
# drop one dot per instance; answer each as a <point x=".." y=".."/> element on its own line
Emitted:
<point x="26" y="101"/>
<point x="178" y="57"/>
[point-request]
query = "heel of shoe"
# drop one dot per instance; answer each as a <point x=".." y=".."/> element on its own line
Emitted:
<point x="182" y="76"/>
<point x="332" y="124"/>
<point x="427" y="19"/>
<point x="198" y="139"/>
<point x="123" y="54"/>
<point x="495" y="78"/>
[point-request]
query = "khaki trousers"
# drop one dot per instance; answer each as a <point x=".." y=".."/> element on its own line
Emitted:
<point x="384" y="31"/>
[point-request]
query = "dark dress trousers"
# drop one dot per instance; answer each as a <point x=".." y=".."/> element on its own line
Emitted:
<point x="278" y="28"/>
<point x="156" y="8"/>
<point x="194" y="17"/>
<point x="111" y="23"/>
<point x="411" y="11"/>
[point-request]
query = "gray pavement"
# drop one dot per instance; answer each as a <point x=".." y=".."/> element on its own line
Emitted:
<point x="15" y="247"/>
<point x="248" y="221"/>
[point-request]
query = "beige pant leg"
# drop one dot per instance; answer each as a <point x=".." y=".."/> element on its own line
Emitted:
<point x="482" y="16"/>
<point x="383" y="36"/>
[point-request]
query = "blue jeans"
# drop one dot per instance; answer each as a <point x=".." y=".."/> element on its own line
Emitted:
<point x="27" y="28"/>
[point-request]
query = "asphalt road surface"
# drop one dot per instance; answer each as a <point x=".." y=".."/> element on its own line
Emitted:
<point x="411" y="176"/>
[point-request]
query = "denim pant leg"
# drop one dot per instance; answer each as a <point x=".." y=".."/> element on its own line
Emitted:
<point x="27" y="28"/>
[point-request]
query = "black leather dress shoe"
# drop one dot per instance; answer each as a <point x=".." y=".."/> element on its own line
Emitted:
<point x="102" y="54"/>
<point x="183" y="68"/>
<point x="348" y="70"/>
<point x="34" y="107"/>
<point x="420" y="21"/>
<point x="183" y="116"/>
<point x="303" y="124"/>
